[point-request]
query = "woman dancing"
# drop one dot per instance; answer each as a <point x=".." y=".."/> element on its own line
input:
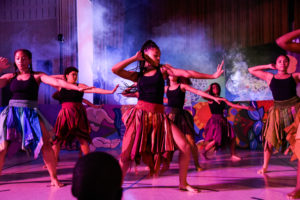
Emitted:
<point x="21" y="123"/>
<point x="176" y="89"/>
<point x="149" y="133"/>
<point x="293" y="131"/>
<point x="218" y="131"/>
<point x="286" y="105"/>
<point x="72" y="120"/>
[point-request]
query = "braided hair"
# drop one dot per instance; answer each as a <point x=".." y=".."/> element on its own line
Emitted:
<point x="147" y="45"/>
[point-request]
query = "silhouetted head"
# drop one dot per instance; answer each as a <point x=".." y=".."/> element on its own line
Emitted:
<point x="97" y="175"/>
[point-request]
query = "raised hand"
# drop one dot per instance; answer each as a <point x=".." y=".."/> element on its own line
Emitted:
<point x="114" y="90"/>
<point x="218" y="99"/>
<point x="149" y="60"/>
<point x="139" y="56"/>
<point x="4" y="63"/>
<point x="169" y="69"/>
<point x="219" y="71"/>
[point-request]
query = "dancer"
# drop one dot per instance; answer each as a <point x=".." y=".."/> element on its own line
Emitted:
<point x="175" y="91"/>
<point x="21" y="123"/>
<point x="293" y="131"/>
<point x="286" y="104"/>
<point x="72" y="119"/>
<point x="149" y="133"/>
<point x="177" y="86"/>
<point x="73" y="145"/>
<point x="218" y="131"/>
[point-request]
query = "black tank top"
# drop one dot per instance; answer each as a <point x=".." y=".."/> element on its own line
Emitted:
<point x="175" y="97"/>
<point x="216" y="108"/>
<point x="283" y="89"/>
<point x="70" y="96"/>
<point x="24" y="90"/>
<point x="151" y="88"/>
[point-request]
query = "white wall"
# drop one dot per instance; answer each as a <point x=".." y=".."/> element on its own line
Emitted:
<point x="85" y="43"/>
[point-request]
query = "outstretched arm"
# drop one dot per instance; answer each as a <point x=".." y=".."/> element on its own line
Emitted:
<point x="258" y="72"/>
<point x="238" y="106"/>
<point x="119" y="68"/>
<point x="193" y="74"/>
<point x="286" y="41"/>
<point x="58" y="83"/>
<point x="201" y="93"/>
<point x="98" y="90"/>
<point x="58" y="76"/>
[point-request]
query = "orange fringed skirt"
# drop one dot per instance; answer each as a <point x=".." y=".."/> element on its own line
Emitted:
<point x="148" y="133"/>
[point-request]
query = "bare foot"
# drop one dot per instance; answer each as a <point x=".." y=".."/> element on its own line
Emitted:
<point x="262" y="171"/>
<point x="56" y="183"/>
<point x="294" y="194"/>
<point x="235" y="158"/>
<point x="189" y="188"/>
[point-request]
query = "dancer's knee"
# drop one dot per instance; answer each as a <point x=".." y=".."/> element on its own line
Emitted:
<point x="186" y="148"/>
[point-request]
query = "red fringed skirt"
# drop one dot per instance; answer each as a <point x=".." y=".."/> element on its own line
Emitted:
<point x="72" y="123"/>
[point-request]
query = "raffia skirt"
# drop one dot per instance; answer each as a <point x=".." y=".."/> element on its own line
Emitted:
<point x="281" y="116"/>
<point x="148" y="133"/>
<point x="20" y="126"/>
<point x="220" y="130"/>
<point x="293" y="137"/>
<point x="72" y="123"/>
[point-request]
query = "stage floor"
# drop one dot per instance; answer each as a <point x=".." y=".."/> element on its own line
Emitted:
<point x="221" y="179"/>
